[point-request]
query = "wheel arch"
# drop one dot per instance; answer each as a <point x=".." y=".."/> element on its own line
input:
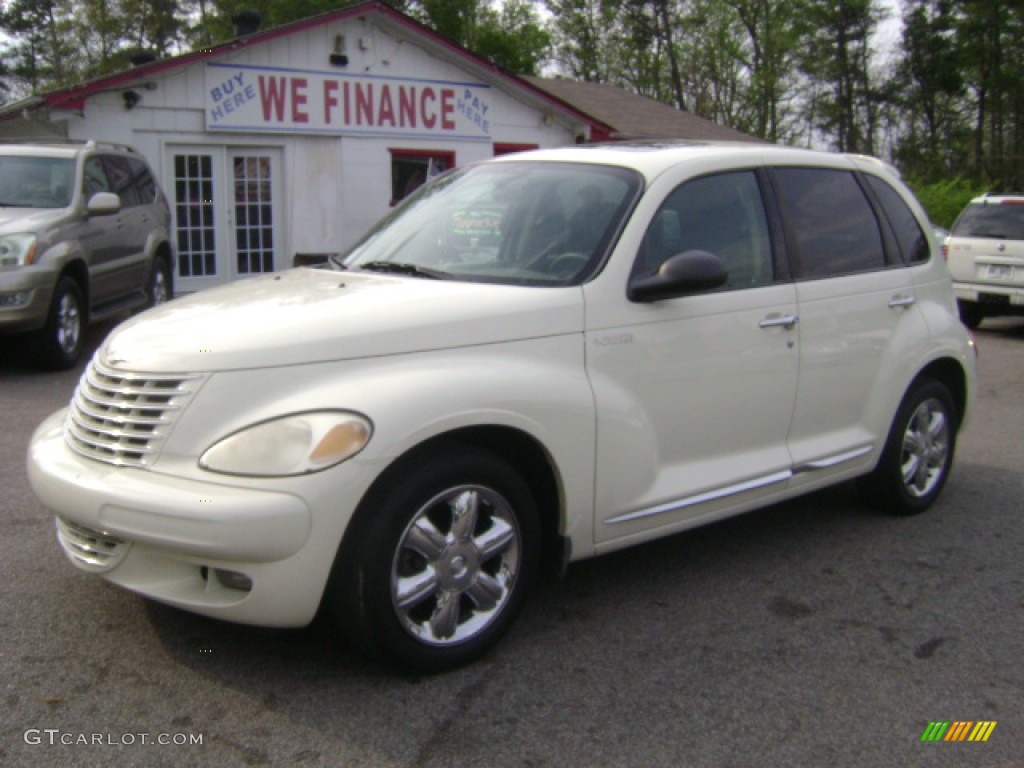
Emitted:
<point x="950" y="373"/>
<point x="521" y="450"/>
<point x="79" y="272"/>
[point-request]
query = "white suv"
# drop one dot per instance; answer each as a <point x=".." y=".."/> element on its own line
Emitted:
<point x="986" y="258"/>
<point x="534" y="360"/>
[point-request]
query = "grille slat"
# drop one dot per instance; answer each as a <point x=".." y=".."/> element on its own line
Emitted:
<point x="124" y="418"/>
<point x="89" y="549"/>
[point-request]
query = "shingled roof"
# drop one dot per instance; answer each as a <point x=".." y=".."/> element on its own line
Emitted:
<point x="633" y="116"/>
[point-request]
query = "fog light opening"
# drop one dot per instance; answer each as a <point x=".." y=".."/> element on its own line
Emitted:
<point x="19" y="299"/>
<point x="233" y="580"/>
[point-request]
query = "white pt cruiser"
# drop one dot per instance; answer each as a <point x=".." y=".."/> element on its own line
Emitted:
<point x="534" y="360"/>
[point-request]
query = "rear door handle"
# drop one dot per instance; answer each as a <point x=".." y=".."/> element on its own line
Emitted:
<point x="902" y="301"/>
<point x="778" y="320"/>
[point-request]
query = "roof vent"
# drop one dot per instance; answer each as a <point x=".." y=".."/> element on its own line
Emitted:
<point x="142" y="57"/>
<point x="247" y="21"/>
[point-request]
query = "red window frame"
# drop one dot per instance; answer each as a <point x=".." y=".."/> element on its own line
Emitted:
<point x="411" y="167"/>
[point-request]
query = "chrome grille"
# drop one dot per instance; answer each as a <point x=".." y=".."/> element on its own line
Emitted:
<point x="89" y="549"/>
<point x="124" y="418"/>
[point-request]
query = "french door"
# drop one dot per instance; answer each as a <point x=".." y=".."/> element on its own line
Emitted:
<point x="226" y="204"/>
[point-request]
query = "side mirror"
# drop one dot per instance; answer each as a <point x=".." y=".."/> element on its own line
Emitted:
<point x="682" y="274"/>
<point x="103" y="204"/>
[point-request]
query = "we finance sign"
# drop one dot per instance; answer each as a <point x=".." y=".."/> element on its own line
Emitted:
<point x="244" y="98"/>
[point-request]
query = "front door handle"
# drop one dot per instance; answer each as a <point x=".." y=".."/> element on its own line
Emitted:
<point x="902" y="301"/>
<point x="778" y="320"/>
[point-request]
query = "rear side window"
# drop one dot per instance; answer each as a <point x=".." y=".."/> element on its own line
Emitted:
<point x="913" y="243"/>
<point x="830" y="222"/>
<point x="1000" y="220"/>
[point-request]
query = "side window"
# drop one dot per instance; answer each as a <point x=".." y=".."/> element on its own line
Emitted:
<point x="119" y="171"/>
<point x="912" y="241"/>
<point x="94" y="178"/>
<point x="831" y="222"/>
<point x="145" y="184"/>
<point x="723" y="214"/>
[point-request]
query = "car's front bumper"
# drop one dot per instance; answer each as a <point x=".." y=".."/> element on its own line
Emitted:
<point x="25" y="295"/>
<point x="190" y="543"/>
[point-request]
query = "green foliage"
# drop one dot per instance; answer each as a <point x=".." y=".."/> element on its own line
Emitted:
<point x="943" y="200"/>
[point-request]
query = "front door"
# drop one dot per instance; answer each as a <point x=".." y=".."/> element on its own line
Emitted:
<point x="695" y="394"/>
<point x="226" y="213"/>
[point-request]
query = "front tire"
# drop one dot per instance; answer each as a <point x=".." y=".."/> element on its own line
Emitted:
<point x="160" y="288"/>
<point x="918" y="453"/>
<point x="439" y="561"/>
<point x="61" y="340"/>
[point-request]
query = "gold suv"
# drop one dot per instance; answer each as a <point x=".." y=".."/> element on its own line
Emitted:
<point x="83" y="237"/>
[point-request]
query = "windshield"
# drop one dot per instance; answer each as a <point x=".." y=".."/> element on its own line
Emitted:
<point x="36" y="182"/>
<point x="515" y="222"/>
<point x="1004" y="221"/>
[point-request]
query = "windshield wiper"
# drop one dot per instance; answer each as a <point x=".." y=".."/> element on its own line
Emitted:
<point x="403" y="268"/>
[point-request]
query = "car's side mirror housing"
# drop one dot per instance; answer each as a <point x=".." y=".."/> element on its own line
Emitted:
<point x="682" y="274"/>
<point x="103" y="204"/>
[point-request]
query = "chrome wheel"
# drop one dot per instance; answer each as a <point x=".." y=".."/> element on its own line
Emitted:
<point x="456" y="565"/>
<point x="158" y="290"/>
<point x="69" y="323"/>
<point x="918" y="452"/>
<point x="925" y="448"/>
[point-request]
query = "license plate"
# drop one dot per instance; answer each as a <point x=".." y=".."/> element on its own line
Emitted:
<point x="999" y="272"/>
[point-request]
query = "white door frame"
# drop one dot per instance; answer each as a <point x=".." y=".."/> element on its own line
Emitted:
<point x="216" y="218"/>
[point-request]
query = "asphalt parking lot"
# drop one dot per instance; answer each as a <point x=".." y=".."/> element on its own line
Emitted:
<point x="813" y="633"/>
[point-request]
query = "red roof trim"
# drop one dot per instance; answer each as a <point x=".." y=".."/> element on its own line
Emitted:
<point x="73" y="97"/>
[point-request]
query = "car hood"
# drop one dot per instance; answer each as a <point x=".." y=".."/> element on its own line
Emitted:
<point x="311" y="315"/>
<point x="14" y="220"/>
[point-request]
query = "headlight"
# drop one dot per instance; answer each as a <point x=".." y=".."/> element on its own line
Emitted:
<point x="17" y="250"/>
<point x="290" y="445"/>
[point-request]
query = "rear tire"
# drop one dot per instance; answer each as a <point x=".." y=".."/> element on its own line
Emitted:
<point x="918" y="453"/>
<point x="438" y="561"/>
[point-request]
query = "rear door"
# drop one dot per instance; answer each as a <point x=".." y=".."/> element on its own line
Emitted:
<point x="857" y="308"/>
<point x="133" y="223"/>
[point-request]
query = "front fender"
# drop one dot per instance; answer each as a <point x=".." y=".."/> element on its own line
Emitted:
<point x="536" y="386"/>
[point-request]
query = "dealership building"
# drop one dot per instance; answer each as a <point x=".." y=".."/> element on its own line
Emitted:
<point x="288" y="143"/>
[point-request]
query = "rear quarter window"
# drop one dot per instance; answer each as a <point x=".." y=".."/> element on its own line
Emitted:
<point x="912" y="241"/>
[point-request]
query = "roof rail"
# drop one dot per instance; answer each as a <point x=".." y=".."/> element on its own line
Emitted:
<point x="93" y="144"/>
<point x="63" y="140"/>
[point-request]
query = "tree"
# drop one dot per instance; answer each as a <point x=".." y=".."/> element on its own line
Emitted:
<point x="770" y="59"/>
<point x="582" y="34"/>
<point x="930" y="92"/>
<point x="842" y="102"/>
<point x="43" y="51"/>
